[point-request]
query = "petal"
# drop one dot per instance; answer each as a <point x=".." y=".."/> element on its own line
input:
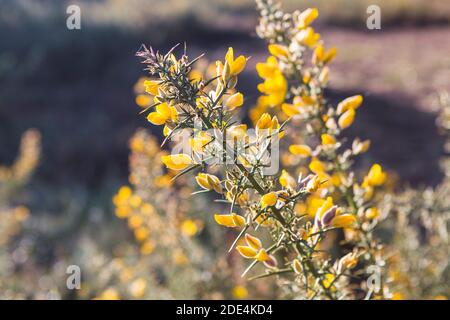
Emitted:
<point x="247" y="252"/>
<point x="238" y="65"/>
<point x="225" y="220"/>
<point x="253" y="242"/>
<point x="164" y="110"/>
<point x="343" y="221"/>
<point x="156" y="118"/>
<point x="177" y="161"/>
<point x="300" y="149"/>
<point x="229" y="57"/>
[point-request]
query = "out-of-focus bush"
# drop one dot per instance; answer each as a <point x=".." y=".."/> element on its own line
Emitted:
<point x="419" y="266"/>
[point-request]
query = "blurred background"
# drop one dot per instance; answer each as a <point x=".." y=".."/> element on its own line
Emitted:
<point x="76" y="88"/>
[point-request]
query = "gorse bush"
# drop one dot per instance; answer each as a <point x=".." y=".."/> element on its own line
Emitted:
<point x="317" y="225"/>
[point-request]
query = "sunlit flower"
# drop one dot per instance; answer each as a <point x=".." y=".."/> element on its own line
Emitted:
<point x="308" y="37"/>
<point x="346" y="119"/>
<point x="269" y="199"/>
<point x="300" y="150"/>
<point x="151" y="87"/>
<point x="376" y="177"/>
<point x="234" y="101"/>
<point x="278" y="50"/>
<point x="209" y="182"/>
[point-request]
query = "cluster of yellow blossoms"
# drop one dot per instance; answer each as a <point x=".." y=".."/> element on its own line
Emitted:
<point x="303" y="215"/>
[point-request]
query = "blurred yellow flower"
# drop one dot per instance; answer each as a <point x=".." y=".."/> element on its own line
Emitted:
<point x="308" y="37"/>
<point x="151" y="87"/>
<point x="230" y="220"/>
<point x="327" y="139"/>
<point x="300" y="150"/>
<point x="236" y="65"/>
<point x="346" y="119"/>
<point x="349" y="103"/>
<point x="189" y="228"/>
<point x="137" y="288"/>
<point x="240" y="292"/>
<point x="376" y="177"/>
<point x="278" y="50"/>
<point x="235" y="101"/>
<point x="208" y="182"/>
<point x="143" y="100"/>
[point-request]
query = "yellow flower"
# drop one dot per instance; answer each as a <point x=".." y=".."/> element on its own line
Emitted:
<point x="135" y="221"/>
<point x="199" y="142"/>
<point x="269" y="199"/>
<point x="317" y="166"/>
<point x="322" y="56"/>
<point x="300" y="150"/>
<point x="350" y="103"/>
<point x="347" y="262"/>
<point x="209" y="182"/>
<point x="297" y="266"/>
<point x="240" y="292"/>
<point x="376" y="177"/>
<point x="397" y="296"/>
<point x="286" y="180"/>
<point x="275" y="89"/>
<point x="138" y="287"/>
<point x="307" y="17"/>
<point x="278" y="50"/>
<point x="347" y="118"/>
<point x="359" y="147"/>
<point x="327" y="139"/>
<point x="308" y="37"/>
<point x="328" y="281"/>
<point x="166" y="131"/>
<point x="229" y="220"/>
<point x="163" y="113"/>
<point x="151" y="87"/>
<point x="234" y="101"/>
<point x="236" y="66"/>
<point x="109" y="294"/>
<point x="237" y="131"/>
<point x="268" y="124"/>
<point x="343" y="221"/>
<point x="147" y="247"/>
<point x="122" y="212"/>
<point x="262" y="255"/>
<point x="313" y="184"/>
<point x="122" y="196"/>
<point x="268" y="69"/>
<point x="143" y="100"/>
<point x="324" y="207"/>
<point x="141" y="233"/>
<point x="253" y="242"/>
<point x="189" y="228"/>
<point x="247" y="252"/>
<point x="177" y="161"/>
